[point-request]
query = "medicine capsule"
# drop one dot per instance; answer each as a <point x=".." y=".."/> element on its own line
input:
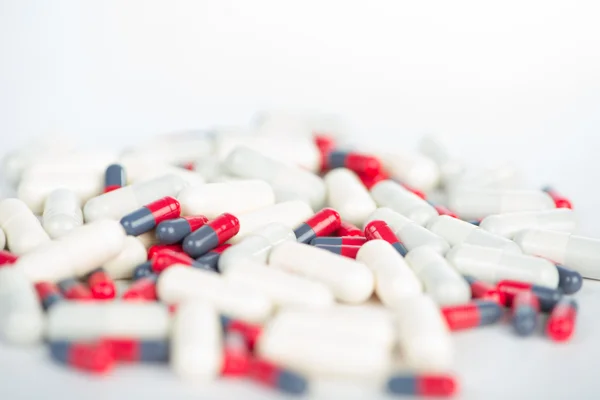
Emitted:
<point x="425" y="385"/>
<point x="547" y="298"/>
<point x="394" y="280"/>
<point x="347" y="229"/>
<point x="62" y="213"/>
<point x="23" y="230"/>
<point x="135" y="350"/>
<point x="440" y="280"/>
<point x="579" y="253"/>
<point x="92" y="320"/>
<point x="339" y="241"/>
<point x="167" y="258"/>
<point x="114" y="178"/>
<point x="124" y="264"/>
<point x="457" y="232"/>
<point x="414" y="169"/>
<point x="158" y="247"/>
<point x="323" y="223"/>
<point x="271" y="375"/>
<point x="143" y="270"/>
<point x="174" y="230"/>
<point x="409" y="233"/>
<point x="559" y="200"/>
<point x="95" y="357"/>
<point x="361" y="164"/>
<point x="214" y="199"/>
<point x="349" y="280"/>
<point x="484" y="291"/>
<point x="288" y="182"/>
<point x="473" y="314"/>
<point x="120" y="202"/>
<point x="561" y="323"/>
<point x="101" y="284"/>
<point x="569" y="281"/>
<point x="391" y="194"/>
<point x="477" y="204"/>
<point x="346" y="250"/>
<point x="211" y="235"/>
<point x="7" y="258"/>
<point x="149" y="216"/>
<point x="236" y="356"/>
<point x="211" y="259"/>
<point x="509" y="224"/>
<point x="72" y="289"/>
<point x="347" y="195"/>
<point x="493" y="265"/>
<point x="380" y="230"/>
<point x="48" y="293"/>
<point x="256" y="246"/>
<point x="250" y="332"/>
<point x="525" y="307"/>
<point x="143" y="289"/>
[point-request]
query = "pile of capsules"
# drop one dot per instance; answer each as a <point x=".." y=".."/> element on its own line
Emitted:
<point x="281" y="253"/>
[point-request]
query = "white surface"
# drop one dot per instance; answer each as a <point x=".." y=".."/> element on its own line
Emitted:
<point x="516" y="81"/>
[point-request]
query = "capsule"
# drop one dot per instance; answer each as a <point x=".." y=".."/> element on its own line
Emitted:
<point x="124" y="264"/>
<point x="236" y="356"/>
<point x="143" y="270"/>
<point x="158" y="247"/>
<point x="166" y="258"/>
<point x="114" y="178"/>
<point x="484" y="291"/>
<point x="323" y="223"/>
<point x="346" y="250"/>
<point x="414" y="169"/>
<point x="174" y="230"/>
<point x="347" y="195"/>
<point x="473" y="314"/>
<point x="559" y="200"/>
<point x="273" y="376"/>
<point x="361" y="164"/>
<point x="339" y="241"/>
<point x="477" y="204"/>
<point x="211" y="235"/>
<point x="380" y="230"/>
<point x="525" y="307"/>
<point x="347" y="229"/>
<point x="142" y="289"/>
<point x="256" y="246"/>
<point x="409" y="233"/>
<point x="214" y="199"/>
<point x="426" y="385"/>
<point x="391" y="194"/>
<point x="72" y="289"/>
<point x="118" y="203"/>
<point x="250" y="332"/>
<point x="48" y="293"/>
<point x="62" y="213"/>
<point x="493" y="265"/>
<point x="579" y="253"/>
<point x="149" y="216"/>
<point x="547" y="298"/>
<point x="561" y="323"/>
<point x="569" y="281"/>
<point x="23" y="230"/>
<point x="7" y="258"/>
<point x="509" y="224"/>
<point x="96" y="357"/>
<point x="457" y="232"/>
<point x="211" y="259"/>
<point x="288" y="182"/>
<point x="440" y="280"/>
<point x="349" y="280"/>
<point x="136" y="350"/>
<point x="394" y="280"/>
<point x="101" y="284"/>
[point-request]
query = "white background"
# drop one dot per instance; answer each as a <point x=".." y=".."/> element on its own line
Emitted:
<point x="517" y="81"/>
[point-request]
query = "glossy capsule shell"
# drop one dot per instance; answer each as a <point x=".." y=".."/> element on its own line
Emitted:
<point x="114" y="178"/>
<point x="101" y="284"/>
<point x="509" y="224"/>
<point x="473" y="314"/>
<point x="323" y="223"/>
<point x="426" y="385"/>
<point x="561" y="322"/>
<point x="525" y="308"/>
<point x="95" y="357"/>
<point x="347" y="229"/>
<point x="149" y="216"/>
<point x="62" y="213"/>
<point x="273" y="376"/>
<point x="74" y="290"/>
<point x="158" y="247"/>
<point x="380" y="230"/>
<point x="166" y="258"/>
<point x="23" y="231"/>
<point x="362" y="164"/>
<point x="569" y="281"/>
<point x="211" y="259"/>
<point x="391" y="194"/>
<point x="174" y="230"/>
<point x="346" y="250"/>
<point x="135" y="350"/>
<point x="347" y="195"/>
<point x="485" y="291"/>
<point x="547" y="298"/>
<point x="211" y="235"/>
<point x="143" y="289"/>
<point x="477" y="203"/>
<point x="48" y="293"/>
<point x="559" y="200"/>
<point x="7" y="258"/>
<point x="339" y="241"/>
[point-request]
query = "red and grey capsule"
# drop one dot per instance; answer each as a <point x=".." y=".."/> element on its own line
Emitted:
<point x="101" y="284"/>
<point x="568" y="280"/>
<point x="425" y="385"/>
<point x="485" y="291"/>
<point x="547" y="298"/>
<point x="525" y="308"/>
<point x="114" y="178"/>
<point x="7" y="258"/>
<point x="323" y="223"/>
<point x="561" y="322"/>
<point x="274" y="376"/>
<point x="134" y="350"/>
<point x="381" y="230"/>
<point x="559" y="200"/>
<point x="174" y="230"/>
<point x="471" y="315"/>
<point x="166" y="258"/>
<point x="346" y="250"/>
<point x="157" y="247"/>
<point x="347" y="229"/>
<point x="211" y="235"/>
<point x="143" y="289"/>
<point x="96" y="357"/>
<point x="147" y="217"/>
<point x="362" y="164"/>
<point x="48" y="293"/>
<point x="211" y="259"/>
<point x="72" y="289"/>
<point x="339" y="241"/>
<point x="143" y="270"/>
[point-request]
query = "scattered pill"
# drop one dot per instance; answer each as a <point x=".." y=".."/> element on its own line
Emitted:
<point x="211" y="235"/>
<point x="94" y="357"/>
<point x="149" y="216"/>
<point x="473" y="314"/>
<point x="412" y="168"/>
<point x="114" y="178"/>
<point x="568" y="280"/>
<point x="561" y="322"/>
<point x="525" y="307"/>
<point x="547" y="298"/>
<point x="348" y="196"/>
<point x="426" y="385"/>
<point x="101" y="284"/>
<point x="273" y="376"/>
<point x="559" y="200"/>
<point x="380" y="230"/>
<point x="323" y="223"/>
<point x="166" y="258"/>
<point x="174" y="230"/>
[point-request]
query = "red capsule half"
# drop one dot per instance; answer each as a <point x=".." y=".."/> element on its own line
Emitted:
<point x="347" y="229"/>
<point x="471" y="315"/>
<point x="381" y="230"/>
<point x="72" y="289"/>
<point x="101" y="284"/>
<point x="561" y="323"/>
<point x="323" y="223"/>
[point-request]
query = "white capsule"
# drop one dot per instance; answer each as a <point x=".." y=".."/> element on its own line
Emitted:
<point x="196" y="344"/>
<point x="450" y="168"/>
<point x="408" y="232"/>
<point x="493" y="265"/>
<point x="477" y="204"/>
<point x="23" y="230"/>
<point x="348" y="196"/>
<point x="576" y="252"/>
<point x="180" y="283"/>
<point x="394" y="280"/>
<point x="148" y="239"/>
<point x="413" y="169"/>
<point x="440" y="280"/>
<point x="133" y="254"/>
<point x="349" y="280"/>
<point x="236" y="198"/>
<point x="507" y="225"/>
<point x="283" y="288"/>
<point x="288" y="182"/>
<point x="423" y="335"/>
<point x="390" y="194"/>
<point x="118" y="203"/>
<point x="94" y="320"/>
<point x="2" y="239"/>
<point x="75" y="254"/>
<point x="256" y="246"/>
<point x="62" y="213"/>
<point x="21" y="316"/>
<point x="456" y="231"/>
<point x="288" y="213"/>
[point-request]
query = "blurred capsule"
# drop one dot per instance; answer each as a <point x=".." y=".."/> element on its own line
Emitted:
<point x="101" y="284"/>
<point x="471" y="315"/>
<point x="547" y="298"/>
<point x="48" y="293"/>
<point x="114" y="178"/>
<point x="276" y="377"/>
<point x="559" y="200"/>
<point x="174" y="230"/>
<point x="426" y="385"/>
<point x="561" y="322"/>
<point x="95" y="357"/>
<point x="72" y="289"/>
<point x="525" y="307"/>
<point x="142" y="289"/>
